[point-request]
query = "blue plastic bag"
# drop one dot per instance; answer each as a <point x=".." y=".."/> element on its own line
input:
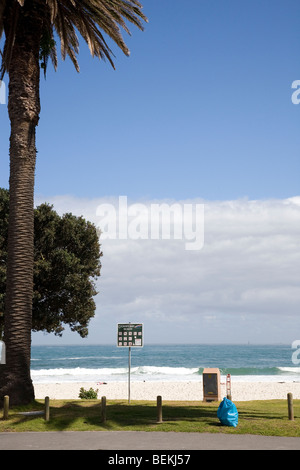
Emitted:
<point x="228" y="413"/>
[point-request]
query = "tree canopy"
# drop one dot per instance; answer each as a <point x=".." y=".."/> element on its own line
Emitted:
<point x="92" y="19"/>
<point x="66" y="264"/>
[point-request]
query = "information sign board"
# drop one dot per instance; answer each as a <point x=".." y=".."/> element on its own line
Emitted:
<point x="130" y="335"/>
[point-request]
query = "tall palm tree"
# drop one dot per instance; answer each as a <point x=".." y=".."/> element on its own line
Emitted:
<point x="30" y="28"/>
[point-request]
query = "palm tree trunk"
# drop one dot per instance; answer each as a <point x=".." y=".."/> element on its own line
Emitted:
<point x="24" y="109"/>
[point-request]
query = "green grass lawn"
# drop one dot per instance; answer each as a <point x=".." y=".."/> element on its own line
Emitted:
<point x="267" y="417"/>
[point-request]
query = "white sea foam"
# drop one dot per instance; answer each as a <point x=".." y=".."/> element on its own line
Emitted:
<point x="113" y="374"/>
<point x="292" y="370"/>
<point x="151" y="373"/>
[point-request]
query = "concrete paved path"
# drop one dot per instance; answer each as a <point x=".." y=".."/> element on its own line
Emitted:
<point x="131" y="440"/>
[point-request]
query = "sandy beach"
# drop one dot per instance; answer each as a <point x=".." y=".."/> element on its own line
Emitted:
<point x="191" y="391"/>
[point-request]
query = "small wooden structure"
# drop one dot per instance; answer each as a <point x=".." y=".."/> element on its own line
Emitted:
<point x="211" y="385"/>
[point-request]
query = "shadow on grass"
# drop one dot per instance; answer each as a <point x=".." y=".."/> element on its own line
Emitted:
<point x="84" y="415"/>
<point x="87" y="415"/>
<point x="130" y="417"/>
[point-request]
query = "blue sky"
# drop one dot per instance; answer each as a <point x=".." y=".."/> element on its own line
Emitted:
<point x="201" y="110"/>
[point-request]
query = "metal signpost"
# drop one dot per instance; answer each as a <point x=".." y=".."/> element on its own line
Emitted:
<point x="130" y="335"/>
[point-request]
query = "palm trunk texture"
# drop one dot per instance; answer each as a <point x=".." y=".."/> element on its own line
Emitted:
<point x="24" y="109"/>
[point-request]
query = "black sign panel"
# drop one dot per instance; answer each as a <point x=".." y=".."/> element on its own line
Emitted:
<point x="130" y="335"/>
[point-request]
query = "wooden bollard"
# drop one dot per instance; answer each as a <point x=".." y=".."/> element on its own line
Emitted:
<point x="159" y="409"/>
<point x="5" y="407"/>
<point x="47" y="409"/>
<point x="103" y="409"/>
<point x="290" y="406"/>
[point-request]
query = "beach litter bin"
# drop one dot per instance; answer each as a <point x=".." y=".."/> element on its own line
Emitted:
<point x="211" y="384"/>
<point x="228" y="413"/>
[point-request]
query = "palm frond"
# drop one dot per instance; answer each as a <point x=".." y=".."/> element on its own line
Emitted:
<point x="92" y="19"/>
<point x="9" y="39"/>
<point x="2" y="6"/>
<point x="68" y="40"/>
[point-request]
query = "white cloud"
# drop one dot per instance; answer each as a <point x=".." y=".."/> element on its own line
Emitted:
<point x="246" y="275"/>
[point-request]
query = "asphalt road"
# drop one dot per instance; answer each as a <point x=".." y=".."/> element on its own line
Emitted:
<point x="131" y="440"/>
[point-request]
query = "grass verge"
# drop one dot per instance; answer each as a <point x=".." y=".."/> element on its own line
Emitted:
<point x="267" y="417"/>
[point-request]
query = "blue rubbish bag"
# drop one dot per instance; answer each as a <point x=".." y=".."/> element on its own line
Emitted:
<point x="228" y="413"/>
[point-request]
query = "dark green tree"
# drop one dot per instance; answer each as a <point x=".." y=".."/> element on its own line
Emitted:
<point x="66" y="264"/>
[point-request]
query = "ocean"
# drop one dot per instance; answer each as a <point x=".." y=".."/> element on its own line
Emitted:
<point x="108" y="363"/>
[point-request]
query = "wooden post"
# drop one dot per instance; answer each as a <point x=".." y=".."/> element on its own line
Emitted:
<point x="159" y="409"/>
<point x="228" y="387"/>
<point x="47" y="409"/>
<point x="103" y="409"/>
<point x="5" y="407"/>
<point x="290" y="406"/>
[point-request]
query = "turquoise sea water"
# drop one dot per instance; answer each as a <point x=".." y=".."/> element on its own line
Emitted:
<point x="108" y="363"/>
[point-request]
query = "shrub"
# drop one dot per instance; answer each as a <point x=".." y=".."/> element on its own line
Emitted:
<point x="88" y="394"/>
